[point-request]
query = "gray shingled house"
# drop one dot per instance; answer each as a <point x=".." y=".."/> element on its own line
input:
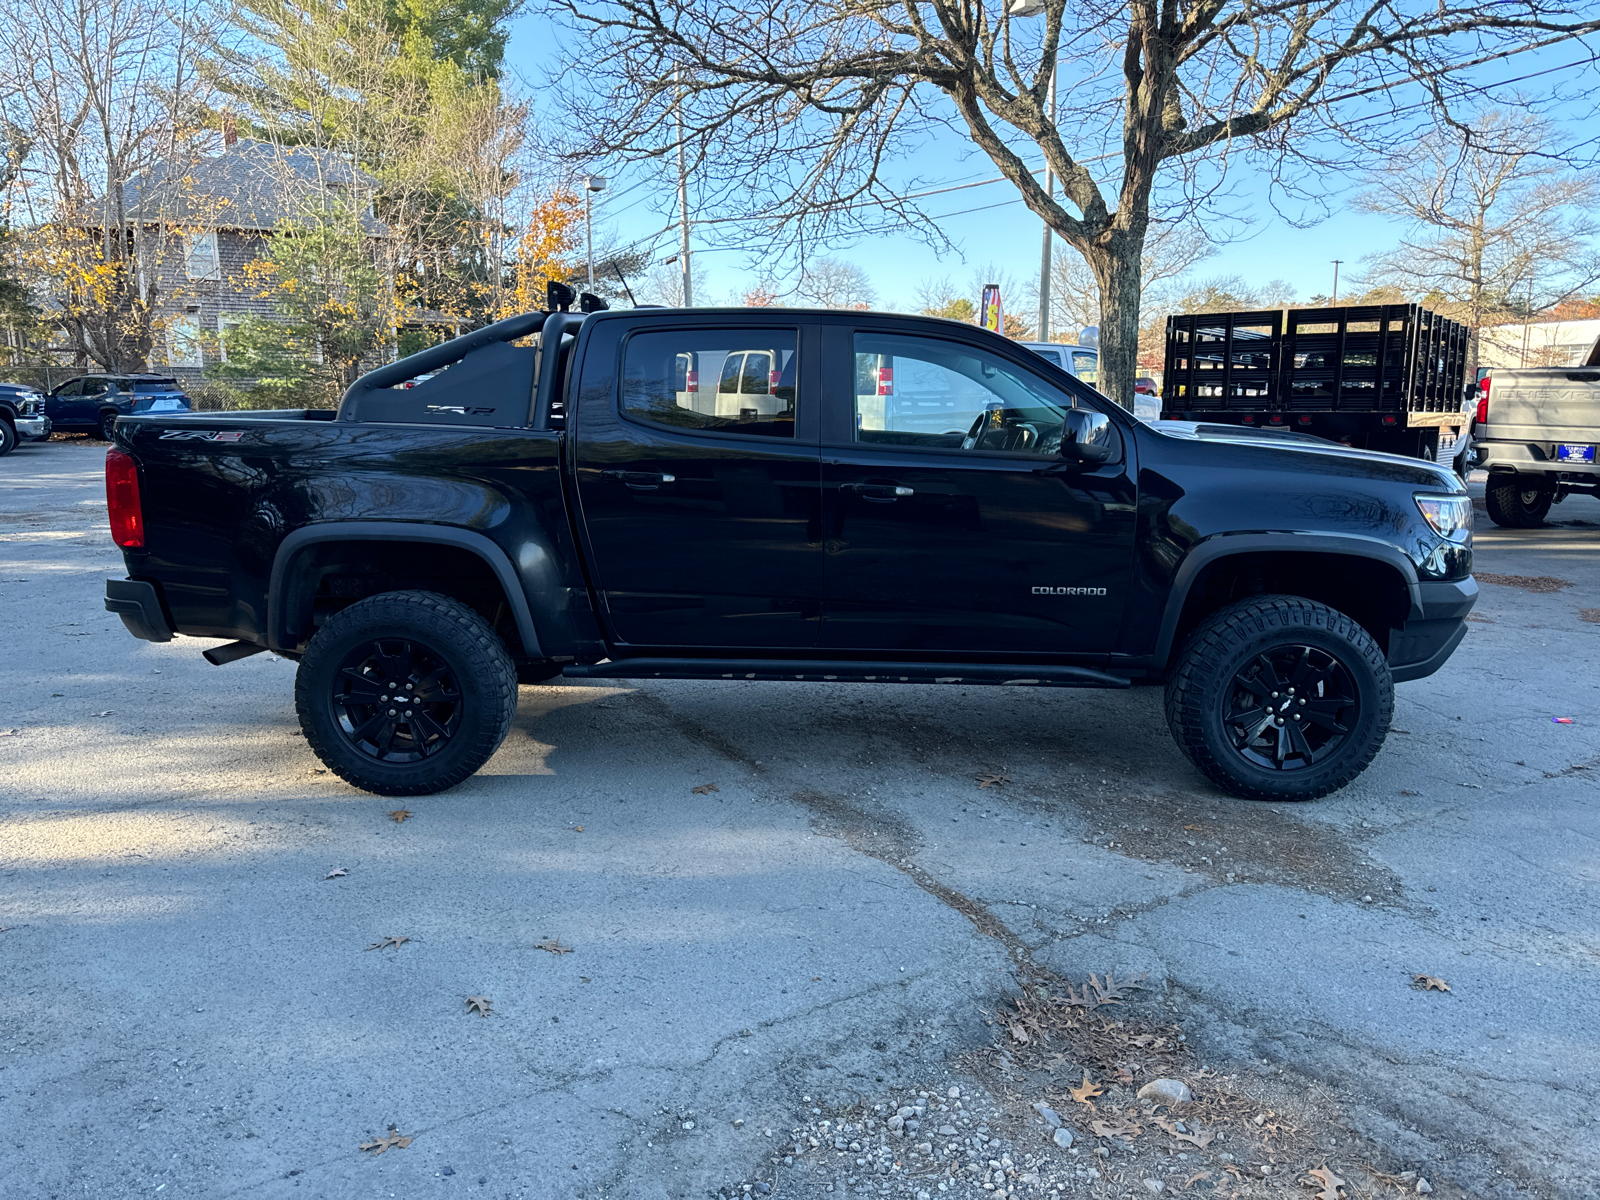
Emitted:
<point x="227" y="207"/>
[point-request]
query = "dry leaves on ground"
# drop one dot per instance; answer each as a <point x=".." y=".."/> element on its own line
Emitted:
<point x="985" y="781"/>
<point x="1543" y="584"/>
<point x="705" y="789"/>
<point x="1197" y="1137"/>
<point x="479" y="1005"/>
<point x="1429" y="983"/>
<point x="553" y="945"/>
<point x="388" y="1141"/>
<point x="387" y="942"/>
<point x="1591" y="615"/>
<point x="1109" y="992"/>
<point x="1327" y="1183"/>
<point x="1117" y="1127"/>
<point x="399" y="815"/>
<point x="336" y="873"/>
<point x="1085" y="1092"/>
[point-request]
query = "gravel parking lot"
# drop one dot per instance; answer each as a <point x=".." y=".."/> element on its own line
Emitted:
<point x="759" y="939"/>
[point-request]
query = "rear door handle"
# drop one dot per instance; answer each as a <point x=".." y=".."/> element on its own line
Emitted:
<point x="644" y="481"/>
<point x="880" y="491"/>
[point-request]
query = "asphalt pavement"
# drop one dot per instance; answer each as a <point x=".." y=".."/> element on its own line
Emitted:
<point x="709" y="915"/>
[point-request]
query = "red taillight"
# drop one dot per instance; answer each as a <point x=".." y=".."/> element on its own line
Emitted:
<point x="1483" y="401"/>
<point x="1305" y="420"/>
<point x="691" y="381"/>
<point x="1391" y="420"/>
<point x="885" y="381"/>
<point x="772" y="380"/>
<point x="122" y="500"/>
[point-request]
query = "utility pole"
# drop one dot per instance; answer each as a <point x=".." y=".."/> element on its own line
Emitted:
<point x="1045" y="254"/>
<point x="1336" y="263"/>
<point x="683" y="197"/>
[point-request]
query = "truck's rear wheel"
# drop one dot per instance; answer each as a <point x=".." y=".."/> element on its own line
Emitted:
<point x="1280" y="698"/>
<point x="1517" y="503"/>
<point x="405" y="693"/>
<point x="8" y="438"/>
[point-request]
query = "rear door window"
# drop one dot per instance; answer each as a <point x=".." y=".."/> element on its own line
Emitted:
<point x="724" y="381"/>
<point x="1086" y="366"/>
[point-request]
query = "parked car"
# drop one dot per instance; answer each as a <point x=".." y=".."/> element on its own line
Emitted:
<point x="22" y="416"/>
<point x="92" y="403"/>
<point x="421" y="551"/>
<point x="1145" y="385"/>
<point x="1538" y="430"/>
<point x="1081" y="362"/>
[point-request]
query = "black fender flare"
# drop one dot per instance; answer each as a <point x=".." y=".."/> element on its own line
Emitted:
<point x="397" y="531"/>
<point x="1229" y="544"/>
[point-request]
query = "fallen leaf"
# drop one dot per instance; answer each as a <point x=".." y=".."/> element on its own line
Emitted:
<point x="390" y="1140"/>
<point x="399" y="815"/>
<point x="577" y="829"/>
<point x="388" y="941"/>
<point x="1191" y="827"/>
<point x="1429" y="983"/>
<point x="1118" y="1128"/>
<point x="336" y="873"/>
<point x="992" y="780"/>
<point x="1085" y="1091"/>
<point x="1542" y="584"/>
<point x="1328" y="1183"/>
<point x="1195" y="1178"/>
<point x="1199" y="1138"/>
<point x="1124" y="1075"/>
<point x="553" y="945"/>
<point x="705" y="789"/>
<point x="1109" y="992"/>
<point x="479" y="1005"/>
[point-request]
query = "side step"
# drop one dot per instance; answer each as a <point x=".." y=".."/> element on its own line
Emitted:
<point x="810" y="671"/>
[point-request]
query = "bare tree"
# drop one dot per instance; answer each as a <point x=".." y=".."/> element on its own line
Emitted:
<point x="834" y="283"/>
<point x="824" y="96"/>
<point x="106" y="91"/>
<point x="1497" y="227"/>
<point x="1170" y="253"/>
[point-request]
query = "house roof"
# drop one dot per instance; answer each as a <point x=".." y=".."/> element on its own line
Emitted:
<point x="250" y="186"/>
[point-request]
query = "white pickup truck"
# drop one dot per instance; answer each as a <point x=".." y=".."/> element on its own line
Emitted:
<point x="1537" y="433"/>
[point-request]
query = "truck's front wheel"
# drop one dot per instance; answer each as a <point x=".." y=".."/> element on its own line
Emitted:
<point x="405" y="693"/>
<point x="1280" y="698"/>
<point x="1517" y="503"/>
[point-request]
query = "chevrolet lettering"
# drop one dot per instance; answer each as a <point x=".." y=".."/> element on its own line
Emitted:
<point x="782" y="494"/>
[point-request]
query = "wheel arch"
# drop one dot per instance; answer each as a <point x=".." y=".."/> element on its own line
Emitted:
<point x="1369" y="580"/>
<point x="290" y="601"/>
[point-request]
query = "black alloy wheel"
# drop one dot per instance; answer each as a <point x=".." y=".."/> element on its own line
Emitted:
<point x="1280" y="698"/>
<point x="108" y="426"/>
<point x="405" y="693"/>
<point x="1291" y="707"/>
<point x="396" y="700"/>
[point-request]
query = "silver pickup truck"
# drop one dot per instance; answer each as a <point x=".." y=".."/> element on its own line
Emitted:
<point x="1537" y="432"/>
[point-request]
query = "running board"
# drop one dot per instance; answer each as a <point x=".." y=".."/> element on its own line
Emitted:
<point x="777" y="669"/>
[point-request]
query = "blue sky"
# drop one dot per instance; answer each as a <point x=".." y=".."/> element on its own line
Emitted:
<point x="990" y="226"/>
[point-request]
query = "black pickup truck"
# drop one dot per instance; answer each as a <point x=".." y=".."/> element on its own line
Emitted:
<point x="784" y="495"/>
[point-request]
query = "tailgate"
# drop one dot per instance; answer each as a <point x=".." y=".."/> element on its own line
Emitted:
<point x="1560" y="404"/>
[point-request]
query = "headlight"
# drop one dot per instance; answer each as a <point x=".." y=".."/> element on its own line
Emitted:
<point x="1448" y="515"/>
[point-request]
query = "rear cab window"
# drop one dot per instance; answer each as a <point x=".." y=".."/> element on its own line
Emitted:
<point x="713" y="380"/>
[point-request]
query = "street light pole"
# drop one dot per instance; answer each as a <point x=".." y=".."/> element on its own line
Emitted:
<point x="1046" y="255"/>
<point x="591" y="185"/>
<point x="683" y="197"/>
<point x="1336" y="263"/>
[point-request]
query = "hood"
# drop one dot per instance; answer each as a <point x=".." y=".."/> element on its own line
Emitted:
<point x="1337" y="458"/>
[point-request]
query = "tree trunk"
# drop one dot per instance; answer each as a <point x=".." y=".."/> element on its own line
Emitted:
<point x="1116" y="260"/>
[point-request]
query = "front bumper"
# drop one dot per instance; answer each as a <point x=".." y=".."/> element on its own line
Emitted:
<point x="1420" y="647"/>
<point x="33" y="429"/>
<point x="139" y="605"/>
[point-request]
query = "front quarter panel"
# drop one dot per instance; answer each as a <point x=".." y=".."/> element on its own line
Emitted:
<point x="1200" y="501"/>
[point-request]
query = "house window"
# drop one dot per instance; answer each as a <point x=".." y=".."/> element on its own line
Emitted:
<point x="183" y="341"/>
<point x="200" y="256"/>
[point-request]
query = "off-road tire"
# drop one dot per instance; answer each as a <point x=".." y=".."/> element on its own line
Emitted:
<point x="445" y="641"/>
<point x="8" y="437"/>
<point x="1515" y="505"/>
<point x="1209" y="677"/>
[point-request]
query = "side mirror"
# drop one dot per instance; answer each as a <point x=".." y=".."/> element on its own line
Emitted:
<point x="1086" y="437"/>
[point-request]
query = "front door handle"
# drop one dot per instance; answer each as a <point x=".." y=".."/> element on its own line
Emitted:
<point x="641" y="481"/>
<point x="880" y="491"/>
